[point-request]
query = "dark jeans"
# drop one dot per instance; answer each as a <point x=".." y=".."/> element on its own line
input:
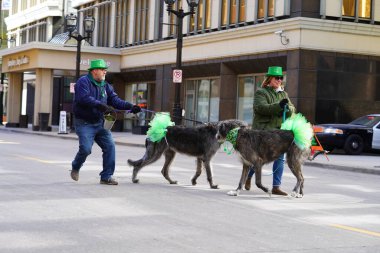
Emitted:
<point x="278" y="169"/>
<point x="87" y="134"/>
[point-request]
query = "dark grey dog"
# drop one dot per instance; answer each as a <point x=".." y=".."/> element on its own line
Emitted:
<point x="259" y="147"/>
<point x="199" y="141"/>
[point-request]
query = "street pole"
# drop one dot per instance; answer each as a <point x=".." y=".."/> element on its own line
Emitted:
<point x="177" y="108"/>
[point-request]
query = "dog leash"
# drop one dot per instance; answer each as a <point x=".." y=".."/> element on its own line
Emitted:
<point x="154" y="112"/>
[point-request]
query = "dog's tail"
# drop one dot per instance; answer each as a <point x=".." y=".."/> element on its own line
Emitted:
<point x="158" y="127"/>
<point x="302" y="130"/>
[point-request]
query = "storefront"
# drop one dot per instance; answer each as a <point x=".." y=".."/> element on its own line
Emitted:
<point x="40" y="76"/>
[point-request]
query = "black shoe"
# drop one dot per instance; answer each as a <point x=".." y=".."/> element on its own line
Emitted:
<point x="74" y="175"/>
<point x="109" y="181"/>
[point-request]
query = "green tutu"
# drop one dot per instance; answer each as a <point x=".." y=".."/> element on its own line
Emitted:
<point x="302" y="130"/>
<point x="158" y="126"/>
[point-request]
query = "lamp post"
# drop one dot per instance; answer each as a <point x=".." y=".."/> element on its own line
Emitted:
<point x="180" y="14"/>
<point x="71" y="26"/>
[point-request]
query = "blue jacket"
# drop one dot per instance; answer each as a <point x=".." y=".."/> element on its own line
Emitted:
<point x="88" y="96"/>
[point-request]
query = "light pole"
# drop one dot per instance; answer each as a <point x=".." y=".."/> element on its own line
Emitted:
<point x="71" y="26"/>
<point x="180" y="14"/>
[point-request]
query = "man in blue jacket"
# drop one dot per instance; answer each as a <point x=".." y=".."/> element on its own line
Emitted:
<point x="92" y="98"/>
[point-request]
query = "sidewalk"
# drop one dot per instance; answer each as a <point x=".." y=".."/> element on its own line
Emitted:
<point x="365" y="163"/>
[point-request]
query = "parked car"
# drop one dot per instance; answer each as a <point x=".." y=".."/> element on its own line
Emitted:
<point x="362" y="134"/>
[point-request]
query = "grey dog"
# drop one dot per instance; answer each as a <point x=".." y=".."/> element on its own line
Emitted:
<point x="259" y="147"/>
<point x="199" y="141"/>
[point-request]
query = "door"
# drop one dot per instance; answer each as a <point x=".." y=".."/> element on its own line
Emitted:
<point x="376" y="136"/>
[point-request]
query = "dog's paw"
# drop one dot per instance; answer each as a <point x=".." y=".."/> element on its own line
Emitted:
<point x="214" y="186"/>
<point x="296" y="195"/>
<point x="135" y="181"/>
<point x="173" y="182"/>
<point x="193" y="182"/>
<point x="233" y="193"/>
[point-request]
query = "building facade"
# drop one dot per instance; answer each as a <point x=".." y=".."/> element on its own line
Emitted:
<point x="328" y="50"/>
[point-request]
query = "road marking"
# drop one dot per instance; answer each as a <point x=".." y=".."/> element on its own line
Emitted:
<point x="35" y="159"/>
<point x="363" y="231"/>
<point x="8" y="142"/>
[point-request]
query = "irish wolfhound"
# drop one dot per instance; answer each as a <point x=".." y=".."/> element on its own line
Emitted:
<point x="199" y="141"/>
<point x="259" y="147"/>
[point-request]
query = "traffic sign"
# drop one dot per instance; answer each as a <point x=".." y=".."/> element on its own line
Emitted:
<point x="177" y="76"/>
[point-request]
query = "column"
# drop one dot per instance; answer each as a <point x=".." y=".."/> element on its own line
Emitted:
<point x="14" y="99"/>
<point x="228" y="93"/>
<point x="43" y="97"/>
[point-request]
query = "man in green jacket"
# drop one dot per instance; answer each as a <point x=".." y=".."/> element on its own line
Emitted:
<point x="269" y="104"/>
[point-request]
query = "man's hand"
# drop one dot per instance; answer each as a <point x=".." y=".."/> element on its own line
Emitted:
<point x="135" y="109"/>
<point x="283" y="102"/>
<point x="104" y="108"/>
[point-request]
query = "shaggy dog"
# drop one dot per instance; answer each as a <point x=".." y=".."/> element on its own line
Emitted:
<point x="199" y="141"/>
<point x="259" y="147"/>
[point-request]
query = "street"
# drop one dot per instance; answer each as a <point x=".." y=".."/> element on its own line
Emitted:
<point x="43" y="210"/>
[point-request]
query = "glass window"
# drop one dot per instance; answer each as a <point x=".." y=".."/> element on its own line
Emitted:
<point x="214" y="100"/>
<point x="203" y="16"/>
<point x="242" y="10"/>
<point x="364" y="9"/>
<point x="122" y="23"/>
<point x="246" y="89"/>
<point x="203" y="104"/>
<point x="261" y="11"/>
<point x="224" y="13"/>
<point x="140" y="97"/>
<point x="202" y="101"/>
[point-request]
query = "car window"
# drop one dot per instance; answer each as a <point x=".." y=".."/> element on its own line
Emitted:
<point x="368" y="121"/>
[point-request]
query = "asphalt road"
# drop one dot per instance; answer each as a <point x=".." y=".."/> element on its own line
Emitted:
<point x="43" y="210"/>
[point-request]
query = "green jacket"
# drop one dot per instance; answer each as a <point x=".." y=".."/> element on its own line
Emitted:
<point x="267" y="113"/>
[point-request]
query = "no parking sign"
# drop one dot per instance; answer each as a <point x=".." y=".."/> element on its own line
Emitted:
<point x="177" y="76"/>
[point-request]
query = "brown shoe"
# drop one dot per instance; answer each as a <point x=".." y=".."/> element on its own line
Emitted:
<point x="74" y="175"/>
<point x="277" y="191"/>
<point x="109" y="181"/>
<point x="247" y="185"/>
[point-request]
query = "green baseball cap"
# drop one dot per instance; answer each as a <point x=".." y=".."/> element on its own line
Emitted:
<point x="98" y="64"/>
<point x="274" y="71"/>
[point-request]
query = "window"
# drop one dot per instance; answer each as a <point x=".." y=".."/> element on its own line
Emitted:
<point x="122" y="23"/>
<point x="357" y="8"/>
<point x="202" y="18"/>
<point x="14" y="6"/>
<point x="233" y="11"/>
<point x="141" y="32"/>
<point x="265" y="9"/>
<point x="104" y="23"/>
<point x="202" y="101"/>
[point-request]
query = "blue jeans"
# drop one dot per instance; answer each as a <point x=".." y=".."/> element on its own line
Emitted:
<point x="278" y="169"/>
<point x="87" y="134"/>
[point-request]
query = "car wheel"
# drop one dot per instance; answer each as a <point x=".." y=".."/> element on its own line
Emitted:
<point x="354" y="145"/>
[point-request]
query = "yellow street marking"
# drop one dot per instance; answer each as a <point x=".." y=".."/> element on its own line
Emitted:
<point x="356" y="230"/>
<point x="34" y="159"/>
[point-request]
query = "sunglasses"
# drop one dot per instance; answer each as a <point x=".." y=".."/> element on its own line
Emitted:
<point x="279" y="78"/>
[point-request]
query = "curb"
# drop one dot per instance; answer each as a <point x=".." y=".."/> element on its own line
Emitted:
<point x="344" y="168"/>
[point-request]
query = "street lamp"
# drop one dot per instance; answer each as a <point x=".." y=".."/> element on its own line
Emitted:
<point x="180" y="14"/>
<point x="71" y="27"/>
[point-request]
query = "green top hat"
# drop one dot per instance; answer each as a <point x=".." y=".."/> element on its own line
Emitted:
<point x="98" y="64"/>
<point x="274" y="71"/>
